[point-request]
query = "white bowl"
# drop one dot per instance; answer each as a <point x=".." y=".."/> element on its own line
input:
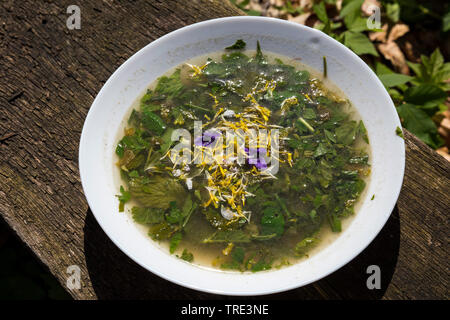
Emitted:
<point x="346" y="69"/>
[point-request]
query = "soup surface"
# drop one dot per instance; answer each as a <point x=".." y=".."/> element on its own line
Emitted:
<point x="241" y="161"/>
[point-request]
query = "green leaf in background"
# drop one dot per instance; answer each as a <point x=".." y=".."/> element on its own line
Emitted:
<point x="358" y="24"/>
<point x="394" y="79"/>
<point x="241" y="5"/>
<point x="418" y="122"/>
<point x="288" y="7"/>
<point x="351" y="7"/>
<point x="393" y="11"/>
<point x="425" y="94"/>
<point x="432" y="70"/>
<point x="359" y="43"/>
<point x="351" y="12"/>
<point x="382" y="69"/>
<point x="321" y="12"/>
<point x="446" y="22"/>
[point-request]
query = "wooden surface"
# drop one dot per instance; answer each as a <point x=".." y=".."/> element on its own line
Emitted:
<point x="49" y="77"/>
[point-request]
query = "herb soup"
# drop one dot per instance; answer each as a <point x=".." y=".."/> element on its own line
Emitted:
<point x="242" y="160"/>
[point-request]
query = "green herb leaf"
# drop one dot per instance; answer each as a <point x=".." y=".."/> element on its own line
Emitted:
<point x="187" y="256"/>
<point x="123" y="197"/>
<point x="169" y="87"/>
<point x="272" y="221"/>
<point x="175" y="241"/>
<point x="305" y="245"/>
<point x="399" y="132"/>
<point x="236" y="236"/>
<point x="238" y="45"/>
<point x="153" y="122"/>
<point x="174" y="215"/>
<point x="147" y="215"/>
<point x="156" y="192"/>
<point x="346" y="133"/>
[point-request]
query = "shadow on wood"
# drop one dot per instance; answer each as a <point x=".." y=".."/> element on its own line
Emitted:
<point x="115" y="276"/>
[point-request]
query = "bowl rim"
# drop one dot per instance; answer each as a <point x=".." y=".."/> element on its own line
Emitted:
<point x="246" y="292"/>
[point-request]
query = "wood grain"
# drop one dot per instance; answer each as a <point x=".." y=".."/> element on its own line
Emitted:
<point x="49" y="76"/>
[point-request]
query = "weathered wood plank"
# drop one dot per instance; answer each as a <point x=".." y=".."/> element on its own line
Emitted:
<point x="49" y="77"/>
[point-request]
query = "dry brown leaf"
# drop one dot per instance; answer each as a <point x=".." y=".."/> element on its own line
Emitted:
<point x="445" y="124"/>
<point x="254" y="5"/>
<point x="397" y="31"/>
<point x="277" y="3"/>
<point x="380" y="35"/>
<point x="273" y="12"/>
<point x="392" y="52"/>
<point x="408" y="49"/>
<point x="444" y="152"/>
<point x="301" y="18"/>
<point x="306" y="4"/>
<point x="339" y="5"/>
<point x="389" y="48"/>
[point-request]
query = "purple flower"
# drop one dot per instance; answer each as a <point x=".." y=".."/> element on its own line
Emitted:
<point x="256" y="157"/>
<point x="206" y="139"/>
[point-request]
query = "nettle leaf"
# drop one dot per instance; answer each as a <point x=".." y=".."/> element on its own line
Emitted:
<point x="123" y="197"/>
<point x="238" y="45"/>
<point x="346" y="133"/>
<point x="425" y="94"/>
<point x="359" y="43"/>
<point x="418" y="122"/>
<point x="305" y="245"/>
<point x="175" y="241"/>
<point x="175" y="215"/>
<point x="153" y="122"/>
<point x="272" y="221"/>
<point x="187" y="256"/>
<point x="394" y="79"/>
<point x="238" y="254"/>
<point x="157" y="192"/>
<point x="171" y="86"/>
<point x="237" y="236"/>
<point x="362" y="131"/>
<point x="147" y="215"/>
